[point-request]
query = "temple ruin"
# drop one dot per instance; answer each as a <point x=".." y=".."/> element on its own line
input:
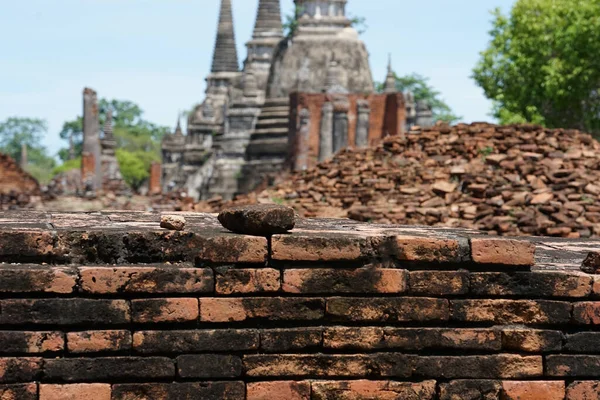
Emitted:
<point x="297" y="100"/>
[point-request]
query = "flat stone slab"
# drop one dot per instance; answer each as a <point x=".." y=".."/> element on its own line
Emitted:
<point x="258" y="220"/>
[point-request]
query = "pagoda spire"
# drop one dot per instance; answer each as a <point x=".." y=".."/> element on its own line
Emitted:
<point x="268" y="19"/>
<point x="390" y="79"/>
<point x="108" y="126"/>
<point x="225" y="57"/>
<point x="178" y="130"/>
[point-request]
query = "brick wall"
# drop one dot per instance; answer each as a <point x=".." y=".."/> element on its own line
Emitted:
<point x="387" y="117"/>
<point x="109" y="306"/>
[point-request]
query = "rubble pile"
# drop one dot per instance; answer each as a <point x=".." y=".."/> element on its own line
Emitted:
<point x="18" y="189"/>
<point x="506" y="180"/>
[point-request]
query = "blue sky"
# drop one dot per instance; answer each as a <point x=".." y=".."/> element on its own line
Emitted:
<point x="158" y="52"/>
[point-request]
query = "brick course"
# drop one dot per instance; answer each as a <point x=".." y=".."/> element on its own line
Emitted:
<point x="335" y="311"/>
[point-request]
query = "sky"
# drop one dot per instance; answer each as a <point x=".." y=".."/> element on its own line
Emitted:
<point x="157" y="53"/>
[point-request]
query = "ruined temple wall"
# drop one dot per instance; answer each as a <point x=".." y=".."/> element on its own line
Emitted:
<point x="387" y="117"/>
<point x="14" y="179"/>
<point x="109" y="306"/>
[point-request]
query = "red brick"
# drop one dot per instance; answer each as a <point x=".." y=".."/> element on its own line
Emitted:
<point x="532" y="284"/>
<point x="362" y="280"/>
<point x="393" y="309"/>
<point x="285" y="390"/>
<point x="92" y="391"/>
<point x="241" y="281"/>
<point x="272" y="308"/>
<point x="98" y="341"/>
<point x="316" y="248"/>
<point x="439" y="283"/>
<point x="180" y="391"/>
<point x="596" y="286"/>
<point x="42" y="279"/>
<point x="379" y="390"/>
<point x="416" y="248"/>
<point x="412" y="339"/>
<point x="194" y="341"/>
<point x="164" y="310"/>
<point x="533" y="390"/>
<point x="502" y="251"/>
<point x="25" y="391"/>
<point x="503" y="366"/>
<point x="106" y="280"/>
<point x="511" y="311"/>
<point x="583" y="390"/>
<point x="31" y="342"/>
<point x="531" y="340"/>
<point x="587" y="313"/>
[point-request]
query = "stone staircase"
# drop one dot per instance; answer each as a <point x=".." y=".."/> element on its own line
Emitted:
<point x="270" y="136"/>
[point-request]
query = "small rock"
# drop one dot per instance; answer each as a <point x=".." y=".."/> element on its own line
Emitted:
<point x="258" y="220"/>
<point x="172" y="222"/>
<point x="591" y="264"/>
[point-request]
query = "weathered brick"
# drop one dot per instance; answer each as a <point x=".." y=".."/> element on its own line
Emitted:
<point x="502" y="251"/>
<point x="24" y="369"/>
<point x="596" y="285"/>
<point x="412" y="339"/>
<point x="316" y="248"/>
<point x="429" y="249"/>
<point x="107" y="369"/>
<point x="177" y="391"/>
<point x="328" y="365"/>
<point x="380" y="390"/>
<point x="572" y="365"/>
<point x="25" y="391"/>
<point x="531" y="340"/>
<point x="329" y="280"/>
<point x="283" y="340"/>
<point x="222" y="340"/>
<point x="536" y="284"/>
<point x="282" y="390"/>
<point x="26" y="245"/>
<point x="164" y="310"/>
<point x="587" y="313"/>
<point x="533" y="390"/>
<point x="470" y="389"/>
<point x="99" y="341"/>
<point x="230" y="249"/>
<point x="583" y="390"/>
<point x="511" y="311"/>
<point x="31" y="342"/>
<point x="241" y="281"/>
<point x="394" y="309"/>
<point x="81" y="391"/>
<point x="155" y="280"/>
<point x="439" y="283"/>
<point x="63" y="311"/>
<point x="37" y="279"/>
<point x="504" y="366"/>
<point x="583" y="342"/>
<point x="209" y="366"/>
<point x="272" y="308"/>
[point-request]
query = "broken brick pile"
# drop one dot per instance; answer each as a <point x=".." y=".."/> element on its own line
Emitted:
<point x="109" y="306"/>
<point x="506" y="180"/>
<point x="16" y="186"/>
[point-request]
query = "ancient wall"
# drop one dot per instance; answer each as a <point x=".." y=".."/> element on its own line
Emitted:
<point x="387" y="117"/>
<point x="14" y="179"/>
<point x="110" y="306"/>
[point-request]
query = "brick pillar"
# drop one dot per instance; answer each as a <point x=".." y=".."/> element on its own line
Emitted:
<point x="302" y="138"/>
<point x="155" y="186"/>
<point x="363" y="123"/>
<point x="326" y="133"/>
<point x="340" y="124"/>
<point x="91" y="135"/>
<point x="88" y="171"/>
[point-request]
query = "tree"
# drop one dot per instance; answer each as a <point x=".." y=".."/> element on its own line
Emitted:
<point x="542" y="64"/>
<point x="419" y="86"/>
<point x="138" y="140"/>
<point x="16" y="132"/>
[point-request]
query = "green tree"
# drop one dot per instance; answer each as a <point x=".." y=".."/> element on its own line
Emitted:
<point x="138" y="140"/>
<point x="542" y="64"/>
<point x="16" y="132"/>
<point x="419" y="86"/>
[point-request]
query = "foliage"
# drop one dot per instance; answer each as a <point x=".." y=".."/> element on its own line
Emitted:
<point x="68" y="165"/>
<point x="16" y="132"/>
<point x="419" y="86"/>
<point x="134" y="166"/>
<point x="541" y="65"/>
<point x="138" y="140"/>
